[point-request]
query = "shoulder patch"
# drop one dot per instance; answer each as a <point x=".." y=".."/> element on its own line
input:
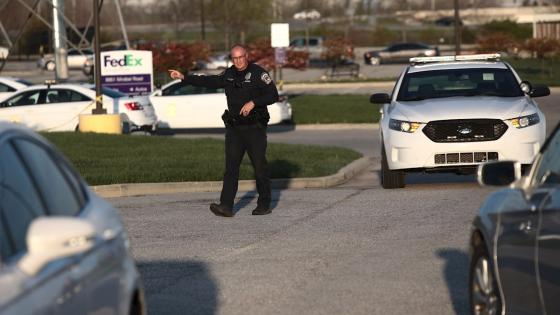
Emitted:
<point x="266" y="78"/>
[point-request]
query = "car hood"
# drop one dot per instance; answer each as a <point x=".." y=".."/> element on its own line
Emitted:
<point x="462" y="108"/>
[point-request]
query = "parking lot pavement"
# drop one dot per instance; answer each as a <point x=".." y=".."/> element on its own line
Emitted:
<point x="331" y="251"/>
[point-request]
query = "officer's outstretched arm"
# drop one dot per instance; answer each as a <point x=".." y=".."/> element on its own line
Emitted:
<point x="269" y="93"/>
<point x="209" y="81"/>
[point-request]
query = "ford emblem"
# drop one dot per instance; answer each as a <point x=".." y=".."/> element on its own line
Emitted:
<point x="465" y="130"/>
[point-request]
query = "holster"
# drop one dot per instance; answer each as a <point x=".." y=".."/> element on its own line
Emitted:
<point x="256" y="117"/>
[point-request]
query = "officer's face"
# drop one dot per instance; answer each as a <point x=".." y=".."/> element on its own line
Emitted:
<point x="239" y="57"/>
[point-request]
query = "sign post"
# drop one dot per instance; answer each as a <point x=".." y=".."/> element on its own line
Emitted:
<point x="280" y="41"/>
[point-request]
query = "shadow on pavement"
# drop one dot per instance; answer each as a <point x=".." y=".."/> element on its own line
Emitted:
<point x="276" y="167"/>
<point x="435" y="178"/>
<point x="179" y="287"/>
<point x="456" y="271"/>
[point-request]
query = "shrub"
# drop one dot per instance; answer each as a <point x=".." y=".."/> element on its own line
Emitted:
<point x="496" y="42"/>
<point x="337" y="50"/>
<point x="173" y="55"/>
<point x="542" y="47"/>
<point x="262" y="53"/>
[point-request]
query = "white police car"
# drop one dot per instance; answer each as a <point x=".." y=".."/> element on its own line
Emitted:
<point x="452" y="113"/>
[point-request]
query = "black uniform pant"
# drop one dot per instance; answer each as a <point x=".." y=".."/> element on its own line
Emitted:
<point x="250" y="139"/>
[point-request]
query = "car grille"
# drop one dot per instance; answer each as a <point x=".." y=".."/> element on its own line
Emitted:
<point x="470" y="157"/>
<point x="465" y="130"/>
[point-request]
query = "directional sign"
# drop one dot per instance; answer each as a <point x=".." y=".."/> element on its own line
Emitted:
<point x="128" y="71"/>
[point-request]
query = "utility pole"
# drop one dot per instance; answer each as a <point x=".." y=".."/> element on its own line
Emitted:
<point x="202" y="21"/>
<point x="60" y="51"/>
<point x="457" y="29"/>
<point x="97" y="64"/>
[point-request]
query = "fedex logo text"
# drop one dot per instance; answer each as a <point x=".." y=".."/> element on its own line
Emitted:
<point x="126" y="61"/>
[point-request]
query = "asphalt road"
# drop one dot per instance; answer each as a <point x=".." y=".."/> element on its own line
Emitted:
<point x="353" y="249"/>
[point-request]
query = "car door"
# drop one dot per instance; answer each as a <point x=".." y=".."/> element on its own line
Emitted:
<point x="516" y="248"/>
<point x="95" y="273"/>
<point x="187" y="106"/>
<point x="15" y="107"/>
<point x="51" y="290"/>
<point x="547" y="176"/>
<point x="59" y="111"/>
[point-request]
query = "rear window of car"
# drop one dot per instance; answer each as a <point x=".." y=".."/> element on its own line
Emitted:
<point x="459" y="82"/>
<point x="24" y="82"/>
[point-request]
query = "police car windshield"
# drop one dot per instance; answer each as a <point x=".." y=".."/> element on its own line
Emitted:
<point x="459" y="82"/>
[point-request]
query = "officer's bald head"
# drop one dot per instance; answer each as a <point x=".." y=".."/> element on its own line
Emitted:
<point x="239" y="56"/>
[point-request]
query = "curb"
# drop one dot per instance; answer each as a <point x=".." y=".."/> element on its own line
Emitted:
<point x="130" y="190"/>
<point x="365" y="126"/>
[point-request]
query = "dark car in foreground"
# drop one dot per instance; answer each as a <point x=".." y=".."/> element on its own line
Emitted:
<point x="400" y="52"/>
<point x="515" y="240"/>
<point x="63" y="249"/>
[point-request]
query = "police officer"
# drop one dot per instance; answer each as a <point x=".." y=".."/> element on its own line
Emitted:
<point x="249" y="89"/>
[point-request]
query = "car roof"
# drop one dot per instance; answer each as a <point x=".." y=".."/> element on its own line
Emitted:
<point x="457" y="65"/>
<point x="9" y="127"/>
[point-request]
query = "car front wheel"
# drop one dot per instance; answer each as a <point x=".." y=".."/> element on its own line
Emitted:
<point x="50" y="65"/>
<point x="390" y="179"/>
<point x="483" y="288"/>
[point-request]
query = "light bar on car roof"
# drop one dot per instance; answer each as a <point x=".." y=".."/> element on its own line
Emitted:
<point x="479" y="57"/>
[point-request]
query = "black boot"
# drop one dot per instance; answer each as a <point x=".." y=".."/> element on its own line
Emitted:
<point x="221" y="210"/>
<point x="262" y="210"/>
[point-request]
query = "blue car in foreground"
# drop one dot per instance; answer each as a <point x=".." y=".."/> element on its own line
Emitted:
<point x="515" y="239"/>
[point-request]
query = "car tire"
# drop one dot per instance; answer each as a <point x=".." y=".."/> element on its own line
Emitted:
<point x="390" y="179"/>
<point x="375" y="61"/>
<point x="50" y="65"/>
<point x="484" y="295"/>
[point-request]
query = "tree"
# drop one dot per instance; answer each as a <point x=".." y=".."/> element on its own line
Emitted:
<point x="235" y="18"/>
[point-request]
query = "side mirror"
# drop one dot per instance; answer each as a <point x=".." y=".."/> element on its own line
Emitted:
<point x="540" y="90"/>
<point x="526" y="87"/>
<point x="51" y="238"/>
<point x="499" y="173"/>
<point x="380" y="98"/>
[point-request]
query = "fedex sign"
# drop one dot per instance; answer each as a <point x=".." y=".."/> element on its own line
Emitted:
<point x="129" y="71"/>
<point x="125" y="61"/>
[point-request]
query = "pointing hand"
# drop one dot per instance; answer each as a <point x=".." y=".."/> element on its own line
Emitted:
<point x="174" y="74"/>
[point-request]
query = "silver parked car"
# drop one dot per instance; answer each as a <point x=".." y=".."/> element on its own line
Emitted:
<point x="63" y="249"/>
<point x="400" y="52"/>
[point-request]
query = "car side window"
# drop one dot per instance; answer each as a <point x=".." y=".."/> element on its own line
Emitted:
<point x="26" y="98"/>
<point x="5" y="88"/>
<point x="64" y="96"/>
<point x="20" y="203"/>
<point x="548" y="171"/>
<point x="59" y="195"/>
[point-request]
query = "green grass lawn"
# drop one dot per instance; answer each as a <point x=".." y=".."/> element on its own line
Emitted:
<point x="111" y="159"/>
<point x="538" y="71"/>
<point x="331" y="109"/>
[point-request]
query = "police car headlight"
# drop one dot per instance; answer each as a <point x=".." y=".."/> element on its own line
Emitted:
<point x="404" y="126"/>
<point x="525" y="121"/>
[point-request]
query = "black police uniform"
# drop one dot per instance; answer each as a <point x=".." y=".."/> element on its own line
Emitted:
<point x="243" y="133"/>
